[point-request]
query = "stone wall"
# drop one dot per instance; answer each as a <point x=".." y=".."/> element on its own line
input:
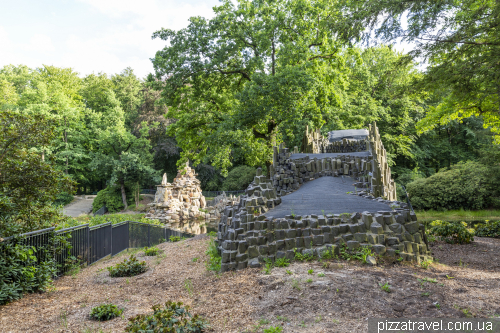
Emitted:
<point x="245" y="236"/>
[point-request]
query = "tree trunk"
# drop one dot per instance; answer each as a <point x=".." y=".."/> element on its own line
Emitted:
<point x="124" y="196"/>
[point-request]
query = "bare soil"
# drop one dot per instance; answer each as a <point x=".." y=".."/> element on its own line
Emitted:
<point x="464" y="282"/>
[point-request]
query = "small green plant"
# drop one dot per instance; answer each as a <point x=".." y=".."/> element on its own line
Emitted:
<point x="323" y="212"/>
<point x="400" y="259"/>
<point x="438" y="306"/>
<point x="302" y="324"/>
<point x="267" y="268"/>
<point x="105" y="312"/>
<point x="289" y="272"/>
<point x="335" y="321"/>
<point x="173" y="317"/>
<point x="151" y="251"/>
<point x="425" y="264"/>
<point x="365" y="253"/>
<point x="281" y="318"/>
<point x="325" y="265"/>
<point x="188" y="285"/>
<point x="296" y="284"/>
<point x="302" y="257"/>
<point x="385" y="287"/>
<point x="429" y="280"/>
<point x="194" y="259"/>
<point x="425" y="294"/>
<point x="255" y="212"/>
<point x="317" y="320"/>
<point x="309" y="280"/>
<point x="282" y="262"/>
<point x="273" y="329"/>
<point x="449" y="277"/>
<point x="129" y="267"/>
<point x="263" y="321"/>
<point x="64" y="320"/>
<point x="310" y="271"/>
<point x="321" y="274"/>
<point x="214" y="259"/>
<point x="174" y="239"/>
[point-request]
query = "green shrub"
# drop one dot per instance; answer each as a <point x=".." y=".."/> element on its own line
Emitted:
<point x="214" y="259"/>
<point x="129" y="267"/>
<point x="172" y="318"/>
<point x="105" y="312"/>
<point x="63" y="199"/>
<point x="273" y="329"/>
<point x="467" y="185"/>
<point x="151" y="251"/>
<point x="488" y="229"/>
<point x="174" y="239"/>
<point x="21" y="272"/>
<point x="111" y="197"/>
<point x="239" y="178"/>
<point x="282" y="262"/>
<point x="452" y="232"/>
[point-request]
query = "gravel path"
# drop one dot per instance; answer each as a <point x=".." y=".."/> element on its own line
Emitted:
<point x="328" y="194"/>
<point x="79" y="207"/>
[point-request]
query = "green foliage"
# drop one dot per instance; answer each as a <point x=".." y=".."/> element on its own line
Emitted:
<point x="174" y="239"/>
<point x="302" y="257"/>
<point x="110" y="197"/>
<point x="21" y="272"/>
<point x="63" y="198"/>
<point x="214" y="259"/>
<point x="282" y="262"/>
<point x="310" y="271"/>
<point x="273" y="329"/>
<point x="172" y="318"/>
<point x="151" y="251"/>
<point x="425" y="264"/>
<point x="452" y="232"/>
<point x="239" y="178"/>
<point x="129" y="267"/>
<point x="105" y="312"/>
<point x="488" y="229"/>
<point x="466" y="185"/>
<point x="385" y="287"/>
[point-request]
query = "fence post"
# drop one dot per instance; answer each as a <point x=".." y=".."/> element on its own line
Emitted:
<point x="149" y="239"/>
<point x="88" y="245"/>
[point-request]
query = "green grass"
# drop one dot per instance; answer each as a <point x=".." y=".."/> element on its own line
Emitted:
<point x="113" y="218"/>
<point x="458" y="215"/>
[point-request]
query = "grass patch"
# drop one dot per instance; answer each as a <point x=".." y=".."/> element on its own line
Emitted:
<point x="457" y="215"/>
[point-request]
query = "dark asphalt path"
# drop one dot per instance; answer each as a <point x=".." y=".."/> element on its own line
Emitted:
<point x="330" y="155"/>
<point x="328" y="194"/>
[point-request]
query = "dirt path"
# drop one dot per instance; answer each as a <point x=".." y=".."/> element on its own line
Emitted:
<point x="78" y="207"/>
<point x="466" y="282"/>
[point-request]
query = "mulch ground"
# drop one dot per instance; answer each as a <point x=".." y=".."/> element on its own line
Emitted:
<point x="339" y="298"/>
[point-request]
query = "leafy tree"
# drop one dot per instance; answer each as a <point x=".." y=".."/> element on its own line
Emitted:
<point x="460" y="40"/>
<point x="127" y="88"/>
<point x="236" y="82"/>
<point x="28" y="185"/>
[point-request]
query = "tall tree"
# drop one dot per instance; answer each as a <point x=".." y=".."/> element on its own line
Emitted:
<point x="217" y="75"/>
<point x="460" y="40"/>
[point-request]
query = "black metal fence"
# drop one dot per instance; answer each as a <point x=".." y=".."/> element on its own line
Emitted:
<point x="211" y="194"/>
<point x="103" y="210"/>
<point x="92" y="243"/>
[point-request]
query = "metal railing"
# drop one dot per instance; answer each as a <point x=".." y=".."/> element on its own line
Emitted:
<point x="211" y="194"/>
<point x="89" y="244"/>
<point x="103" y="210"/>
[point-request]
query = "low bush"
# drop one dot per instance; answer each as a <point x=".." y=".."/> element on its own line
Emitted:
<point x="171" y="318"/>
<point x="452" y="232"/>
<point x="467" y="185"/>
<point x="239" y="178"/>
<point x="63" y="198"/>
<point x="21" y="272"/>
<point x="128" y="267"/>
<point x="105" y="312"/>
<point x="151" y="251"/>
<point x="111" y="197"/>
<point x="488" y="229"/>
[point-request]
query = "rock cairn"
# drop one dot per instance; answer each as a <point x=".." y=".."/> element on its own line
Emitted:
<point x="180" y="200"/>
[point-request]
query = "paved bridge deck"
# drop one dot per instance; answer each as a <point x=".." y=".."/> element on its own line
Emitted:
<point x="329" y="155"/>
<point x="328" y="194"/>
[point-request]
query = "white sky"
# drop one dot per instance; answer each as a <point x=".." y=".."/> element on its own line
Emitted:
<point x="91" y="35"/>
